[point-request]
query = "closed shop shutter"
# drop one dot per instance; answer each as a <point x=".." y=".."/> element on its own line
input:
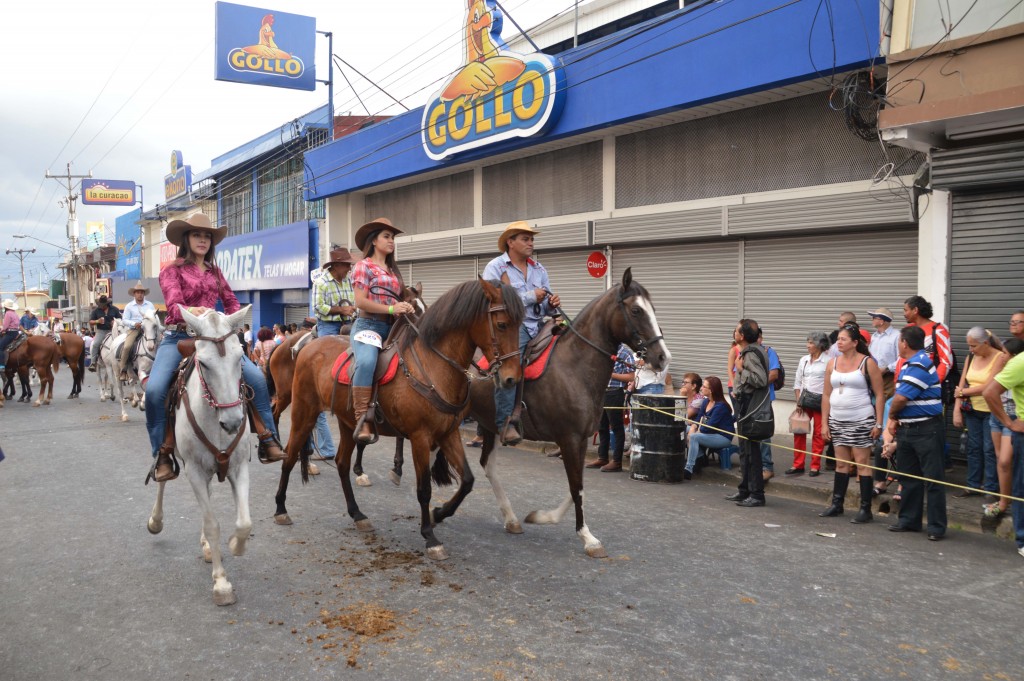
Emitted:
<point x="986" y="259"/>
<point x="795" y="285"/>
<point x="695" y="290"/>
<point x="295" y="314"/>
<point x="438" y="277"/>
<point x="567" y="274"/>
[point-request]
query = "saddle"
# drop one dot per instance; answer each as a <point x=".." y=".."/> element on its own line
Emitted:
<point x="17" y="342"/>
<point x="383" y="373"/>
<point x="537" y="351"/>
<point x="302" y="342"/>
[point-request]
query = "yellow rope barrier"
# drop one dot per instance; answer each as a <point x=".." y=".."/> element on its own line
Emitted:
<point x="824" y="456"/>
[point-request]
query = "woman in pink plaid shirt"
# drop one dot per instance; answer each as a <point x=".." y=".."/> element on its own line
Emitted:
<point x="378" y="288"/>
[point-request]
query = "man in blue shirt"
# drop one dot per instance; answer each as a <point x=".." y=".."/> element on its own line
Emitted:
<point x="29" y="321"/>
<point x="131" y="318"/>
<point x="915" y="421"/>
<point x="774" y="366"/>
<point x="517" y="268"/>
<point x="611" y="416"/>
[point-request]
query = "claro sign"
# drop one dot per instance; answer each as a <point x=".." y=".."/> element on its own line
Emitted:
<point x="496" y="95"/>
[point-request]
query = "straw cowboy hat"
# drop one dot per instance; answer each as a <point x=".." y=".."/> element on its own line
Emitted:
<point x="339" y="256"/>
<point x="883" y="312"/>
<point x="10" y="305"/>
<point x="177" y="230"/>
<point x="138" y="287"/>
<point x="373" y="226"/>
<point x="520" y="227"/>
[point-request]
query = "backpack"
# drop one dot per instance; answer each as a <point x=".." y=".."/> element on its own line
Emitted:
<point x="952" y="379"/>
<point x="779" y="382"/>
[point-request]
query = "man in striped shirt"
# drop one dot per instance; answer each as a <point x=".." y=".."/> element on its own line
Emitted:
<point x="333" y="295"/>
<point x="915" y="421"/>
<point x="611" y="418"/>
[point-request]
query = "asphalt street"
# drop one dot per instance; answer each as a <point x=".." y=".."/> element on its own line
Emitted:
<point x="693" y="588"/>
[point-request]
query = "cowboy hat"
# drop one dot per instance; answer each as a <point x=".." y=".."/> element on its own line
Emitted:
<point x="339" y="256"/>
<point x="373" y="226"/>
<point x="177" y="230"/>
<point x="138" y="287"/>
<point x="520" y="227"/>
<point x="882" y="312"/>
<point x="10" y="305"/>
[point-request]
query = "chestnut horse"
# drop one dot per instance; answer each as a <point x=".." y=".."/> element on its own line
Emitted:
<point x="424" y="403"/>
<point x="564" y="404"/>
<point x="72" y="347"/>
<point x="39" y="352"/>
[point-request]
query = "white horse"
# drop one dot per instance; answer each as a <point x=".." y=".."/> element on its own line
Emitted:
<point x="211" y="437"/>
<point x="106" y="363"/>
<point x="139" y="367"/>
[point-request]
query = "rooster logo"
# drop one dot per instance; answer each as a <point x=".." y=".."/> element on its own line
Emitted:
<point x="485" y="67"/>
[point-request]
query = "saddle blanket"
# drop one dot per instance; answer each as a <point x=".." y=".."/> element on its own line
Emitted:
<point x="343" y="369"/>
<point x="533" y="370"/>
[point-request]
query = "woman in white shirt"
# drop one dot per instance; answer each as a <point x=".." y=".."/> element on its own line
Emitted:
<point x="809" y="386"/>
<point x="852" y="411"/>
<point x="650" y="382"/>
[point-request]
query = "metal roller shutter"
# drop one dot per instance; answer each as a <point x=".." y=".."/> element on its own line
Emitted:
<point x="695" y="292"/>
<point x="295" y="314"/>
<point x="567" y="274"/>
<point x="792" y="286"/>
<point x="438" y="277"/>
<point x="986" y="258"/>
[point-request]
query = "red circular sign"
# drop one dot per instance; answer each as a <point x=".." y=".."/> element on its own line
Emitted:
<point x="597" y="264"/>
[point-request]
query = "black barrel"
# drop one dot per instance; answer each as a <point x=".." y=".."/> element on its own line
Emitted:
<point x="657" y="453"/>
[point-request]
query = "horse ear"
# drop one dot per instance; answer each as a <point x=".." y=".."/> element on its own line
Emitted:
<point x="189" y="318"/>
<point x="492" y="292"/>
<point x="236" y="318"/>
<point x="627" y="279"/>
<point x="418" y="288"/>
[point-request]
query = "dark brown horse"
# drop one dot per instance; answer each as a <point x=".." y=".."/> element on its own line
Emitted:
<point x="72" y="347"/>
<point x="424" y="403"/>
<point x="39" y="352"/>
<point x="564" y="404"/>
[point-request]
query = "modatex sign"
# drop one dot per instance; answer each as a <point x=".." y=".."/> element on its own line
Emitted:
<point x="179" y="181"/>
<point x="264" y="47"/>
<point x="495" y="95"/>
<point x="108" y="192"/>
<point x="275" y="258"/>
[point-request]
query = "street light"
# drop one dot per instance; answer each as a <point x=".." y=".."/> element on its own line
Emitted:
<point x="74" y="265"/>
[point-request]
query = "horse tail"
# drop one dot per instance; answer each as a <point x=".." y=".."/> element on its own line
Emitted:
<point x="441" y="471"/>
<point x="304" y="461"/>
<point x="55" y="358"/>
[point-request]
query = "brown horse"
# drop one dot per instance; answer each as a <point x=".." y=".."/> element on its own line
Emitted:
<point x="72" y="347"/>
<point x="424" y="402"/>
<point x="39" y="352"/>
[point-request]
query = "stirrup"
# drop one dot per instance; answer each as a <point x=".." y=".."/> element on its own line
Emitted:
<point x="265" y="444"/>
<point x="175" y="468"/>
<point x="510" y="434"/>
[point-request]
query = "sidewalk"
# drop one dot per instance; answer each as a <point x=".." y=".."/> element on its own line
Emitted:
<point x="962" y="514"/>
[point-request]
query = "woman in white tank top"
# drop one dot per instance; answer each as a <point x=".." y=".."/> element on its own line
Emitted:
<point x="851" y="420"/>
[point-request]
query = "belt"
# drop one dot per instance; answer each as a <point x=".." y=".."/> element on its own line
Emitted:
<point x="610" y="389"/>
<point x="375" y="317"/>
<point x="917" y="424"/>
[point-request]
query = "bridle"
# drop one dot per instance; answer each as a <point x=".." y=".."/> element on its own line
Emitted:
<point x="222" y="456"/>
<point x="640" y="345"/>
<point x="143" y="342"/>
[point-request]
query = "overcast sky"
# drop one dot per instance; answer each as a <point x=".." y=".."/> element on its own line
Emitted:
<point x="114" y="87"/>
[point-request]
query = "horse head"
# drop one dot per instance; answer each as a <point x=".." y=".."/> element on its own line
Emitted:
<point x="414" y="296"/>
<point x="152" y="330"/>
<point x="639" y="327"/>
<point x="219" y="363"/>
<point x="499" y="338"/>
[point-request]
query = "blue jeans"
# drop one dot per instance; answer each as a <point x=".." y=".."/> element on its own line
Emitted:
<point x="505" y="398"/>
<point x="327" y="328"/>
<point x="323" y="442"/>
<point x="766" y="456"/>
<point x="1017" y="507"/>
<point x="699" y="442"/>
<point x="6" y="339"/>
<point x="364" y="354"/>
<point x="981" y="452"/>
<point x="163" y="373"/>
<point x="650" y="389"/>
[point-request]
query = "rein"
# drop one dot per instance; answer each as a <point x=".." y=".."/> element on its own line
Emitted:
<point x="638" y="340"/>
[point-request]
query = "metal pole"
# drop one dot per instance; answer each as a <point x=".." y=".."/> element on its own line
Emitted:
<point x="330" y="84"/>
<point x="20" y="252"/>
<point x="576" y="25"/>
<point x="72" y="228"/>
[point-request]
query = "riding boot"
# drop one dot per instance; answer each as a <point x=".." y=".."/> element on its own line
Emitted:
<point x="166" y="467"/>
<point x="864" y="515"/>
<point x="842" y="481"/>
<point x="360" y="403"/>
<point x="269" y="449"/>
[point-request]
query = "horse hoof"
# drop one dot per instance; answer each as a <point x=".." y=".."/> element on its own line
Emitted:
<point x="437" y="553"/>
<point x="236" y="547"/>
<point x="36" y="403"/>
<point x="364" y="525"/>
<point x="154" y="526"/>
<point x="395" y="478"/>
<point x="597" y="551"/>
<point x="513" y="527"/>
<point x="531" y="517"/>
<point x="224" y="597"/>
<point x="364" y="480"/>
<point x="283" y="519"/>
<point x="124" y="418"/>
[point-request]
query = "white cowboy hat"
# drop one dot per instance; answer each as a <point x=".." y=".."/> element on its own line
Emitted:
<point x="10" y="305"/>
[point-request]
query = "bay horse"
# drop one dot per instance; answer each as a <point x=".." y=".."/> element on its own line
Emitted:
<point x="72" y="348"/>
<point x="424" y="403"/>
<point x="564" y="405"/>
<point x="282" y="369"/>
<point x="211" y="436"/>
<point x="39" y="352"/>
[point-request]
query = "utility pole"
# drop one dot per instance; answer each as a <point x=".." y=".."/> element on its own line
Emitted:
<point x="20" y="252"/>
<point x="70" y="182"/>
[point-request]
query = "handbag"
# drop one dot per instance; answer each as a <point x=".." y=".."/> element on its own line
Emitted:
<point x="809" y="401"/>
<point x="799" y="422"/>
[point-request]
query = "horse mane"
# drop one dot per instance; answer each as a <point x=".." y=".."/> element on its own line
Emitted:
<point x="459" y="306"/>
<point x="634" y="289"/>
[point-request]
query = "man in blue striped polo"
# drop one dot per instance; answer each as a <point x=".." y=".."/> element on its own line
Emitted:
<point x="915" y="421"/>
